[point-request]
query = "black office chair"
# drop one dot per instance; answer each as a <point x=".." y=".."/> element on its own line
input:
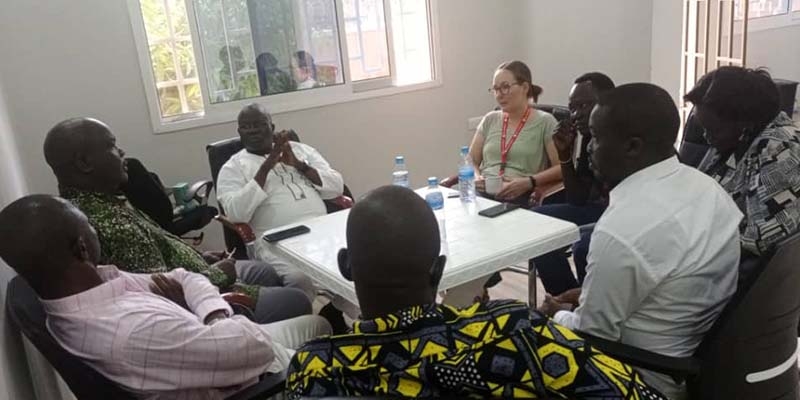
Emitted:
<point x="559" y="112"/>
<point x="694" y="145"/>
<point x="26" y="313"/>
<point x="750" y="351"/>
<point x="218" y="154"/>
<point x="145" y="191"/>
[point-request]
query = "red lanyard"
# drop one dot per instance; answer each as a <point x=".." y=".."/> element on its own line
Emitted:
<point x="504" y="149"/>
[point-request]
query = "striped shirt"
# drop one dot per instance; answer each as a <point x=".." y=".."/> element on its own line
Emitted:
<point x="156" y="349"/>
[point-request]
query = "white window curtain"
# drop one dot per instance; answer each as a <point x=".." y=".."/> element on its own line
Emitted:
<point x="16" y="369"/>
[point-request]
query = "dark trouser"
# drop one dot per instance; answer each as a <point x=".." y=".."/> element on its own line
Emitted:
<point x="553" y="268"/>
<point x="275" y="303"/>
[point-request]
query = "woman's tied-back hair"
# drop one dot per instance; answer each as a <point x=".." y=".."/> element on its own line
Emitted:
<point x="522" y="74"/>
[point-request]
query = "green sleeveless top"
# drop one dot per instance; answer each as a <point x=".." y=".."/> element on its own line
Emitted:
<point x="528" y="155"/>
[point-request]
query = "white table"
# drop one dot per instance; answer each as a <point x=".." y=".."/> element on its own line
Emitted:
<point x="476" y="246"/>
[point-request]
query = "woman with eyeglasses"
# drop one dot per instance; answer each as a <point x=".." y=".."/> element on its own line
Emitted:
<point x="515" y="142"/>
<point x="755" y="152"/>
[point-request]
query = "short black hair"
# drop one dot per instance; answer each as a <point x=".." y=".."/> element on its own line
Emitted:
<point x="34" y="221"/>
<point x="600" y="81"/>
<point x="641" y="109"/>
<point x="738" y="94"/>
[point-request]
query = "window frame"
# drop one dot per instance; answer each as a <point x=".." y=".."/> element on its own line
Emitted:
<point x="219" y="113"/>
<point x="790" y="18"/>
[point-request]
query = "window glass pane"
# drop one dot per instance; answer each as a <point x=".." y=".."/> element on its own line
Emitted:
<point x="155" y="20"/>
<point x="261" y="47"/>
<point x="795" y="5"/>
<point x="170" y="101"/>
<point x="194" y="97"/>
<point x="412" y="45"/>
<point x="179" y="18"/>
<point x="365" y="25"/>
<point x="171" y="56"/>
<point x="762" y="8"/>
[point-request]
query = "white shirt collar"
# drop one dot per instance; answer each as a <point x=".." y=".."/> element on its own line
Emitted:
<point x="653" y="172"/>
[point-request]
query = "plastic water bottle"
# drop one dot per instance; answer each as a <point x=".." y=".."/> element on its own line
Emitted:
<point x="400" y="174"/>
<point x="435" y="200"/>
<point x="466" y="177"/>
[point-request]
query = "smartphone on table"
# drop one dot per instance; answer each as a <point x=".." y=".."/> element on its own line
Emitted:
<point x="286" y="233"/>
<point x="498" y="210"/>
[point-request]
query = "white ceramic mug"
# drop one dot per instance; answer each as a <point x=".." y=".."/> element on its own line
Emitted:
<point x="493" y="184"/>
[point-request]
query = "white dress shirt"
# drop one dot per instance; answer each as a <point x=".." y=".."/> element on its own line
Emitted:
<point x="287" y="197"/>
<point x="662" y="263"/>
<point x="155" y="348"/>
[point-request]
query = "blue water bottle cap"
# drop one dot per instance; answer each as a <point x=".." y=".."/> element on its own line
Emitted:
<point x="399" y="160"/>
<point x="432" y="181"/>
<point x="464" y="150"/>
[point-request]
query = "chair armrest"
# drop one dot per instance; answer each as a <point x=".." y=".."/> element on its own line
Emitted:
<point x="449" y="182"/>
<point x="679" y="368"/>
<point x="199" y="191"/>
<point x="344" y="202"/>
<point x="269" y="385"/>
<point x="244" y="231"/>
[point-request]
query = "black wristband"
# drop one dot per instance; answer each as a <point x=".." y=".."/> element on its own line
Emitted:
<point x="533" y="182"/>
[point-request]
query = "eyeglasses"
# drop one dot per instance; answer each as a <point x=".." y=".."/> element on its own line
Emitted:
<point x="503" y="88"/>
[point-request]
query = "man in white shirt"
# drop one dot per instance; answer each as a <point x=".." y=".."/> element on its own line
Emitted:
<point x="663" y="259"/>
<point x="274" y="182"/>
<point x="161" y="336"/>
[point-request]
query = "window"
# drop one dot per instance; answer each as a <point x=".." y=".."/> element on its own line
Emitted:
<point x="762" y="8"/>
<point x="203" y="59"/>
<point x="172" y="57"/>
<point x="769" y="14"/>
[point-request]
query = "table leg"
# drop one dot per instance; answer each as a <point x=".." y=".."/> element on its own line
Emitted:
<point x="463" y="296"/>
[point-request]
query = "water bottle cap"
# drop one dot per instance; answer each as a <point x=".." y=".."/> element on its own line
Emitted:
<point x="432" y="181"/>
<point x="399" y="160"/>
<point x="464" y="150"/>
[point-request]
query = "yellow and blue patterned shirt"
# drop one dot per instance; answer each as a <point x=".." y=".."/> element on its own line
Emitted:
<point x="494" y="349"/>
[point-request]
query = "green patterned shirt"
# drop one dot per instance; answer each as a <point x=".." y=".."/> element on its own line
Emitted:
<point x="134" y="243"/>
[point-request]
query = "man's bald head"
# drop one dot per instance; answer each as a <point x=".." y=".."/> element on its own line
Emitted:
<point x="42" y="236"/>
<point x="255" y="129"/>
<point x="254" y="110"/>
<point x="633" y="127"/>
<point x="393" y="251"/>
<point x="83" y="154"/>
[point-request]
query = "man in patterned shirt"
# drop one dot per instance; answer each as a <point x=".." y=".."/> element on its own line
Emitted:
<point x="90" y="170"/>
<point x="407" y="345"/>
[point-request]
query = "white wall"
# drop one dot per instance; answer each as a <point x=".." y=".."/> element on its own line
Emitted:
<point x="665" y="61"/>
<point x="778" y="49"/>
<point x="78" y="58"/>
<point x="566" y="38"/>
<point x="14" y="379"/>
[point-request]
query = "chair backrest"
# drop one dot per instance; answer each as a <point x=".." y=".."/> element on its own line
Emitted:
<point x="145" y="191"/>
<point x="694" y="145"/>
<point x="218" y="154"/>
<point x="750" y="353"/>
<point x="559" y="112"/>
<point x="27" y="314"/>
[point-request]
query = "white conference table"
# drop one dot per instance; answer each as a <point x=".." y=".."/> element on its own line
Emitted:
<point x="476" y="246"/>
